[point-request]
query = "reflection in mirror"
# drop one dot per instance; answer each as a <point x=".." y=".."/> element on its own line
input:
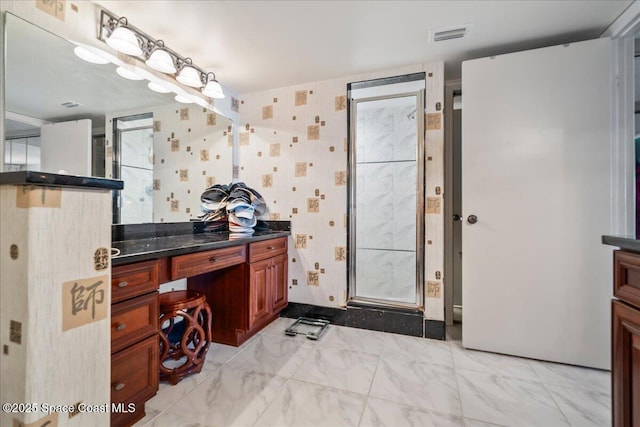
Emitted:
<point x="133" y="163"/>
<point x="192" y="150"/>
<point x="47" y="84"/>
<point x="22" y="154"/>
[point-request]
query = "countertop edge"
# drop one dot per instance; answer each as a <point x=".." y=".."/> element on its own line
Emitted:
<point x="58" y="180"/>
<point x="623" y="242"/>
<point x="145" y="256"/>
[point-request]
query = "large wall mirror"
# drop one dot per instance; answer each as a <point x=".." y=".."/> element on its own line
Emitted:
<point x="65" y="114"/>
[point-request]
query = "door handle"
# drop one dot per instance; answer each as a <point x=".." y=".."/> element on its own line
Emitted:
<point x="472" y="219"/>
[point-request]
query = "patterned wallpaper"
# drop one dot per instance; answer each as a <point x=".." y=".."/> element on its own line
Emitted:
<point x="293" y="149"/>
<point x="193" y="149"/>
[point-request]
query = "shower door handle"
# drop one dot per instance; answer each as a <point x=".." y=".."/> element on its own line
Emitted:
<point x="472" y="219"/>
<point x="457" y="217"/>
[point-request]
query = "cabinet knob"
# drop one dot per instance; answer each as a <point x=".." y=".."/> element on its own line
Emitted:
<point x="121" y="327"/>
<point x="118" y="387"/>
<point x="213" y="259"/>
<point x="270" y="248"/>
<point x="122" y="284"/>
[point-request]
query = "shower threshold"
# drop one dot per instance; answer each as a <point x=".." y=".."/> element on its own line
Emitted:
<point x="312" y="328"/>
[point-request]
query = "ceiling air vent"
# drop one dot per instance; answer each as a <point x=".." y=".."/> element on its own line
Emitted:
<point x="70" y="104"/>
<point x="450" y="33"/>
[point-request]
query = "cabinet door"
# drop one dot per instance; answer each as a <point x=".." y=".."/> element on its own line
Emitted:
<point x="134" y="379"/>
<point x="259" y="283"/>
<point x="279" y="282"/>
<point x="626" y="277"/>
<point x="626" y="365"/>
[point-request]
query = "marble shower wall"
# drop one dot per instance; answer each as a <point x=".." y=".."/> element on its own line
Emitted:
<point x="136" y="170"/>
<point x="386" y="200"/>
<point x="293" y="149"/>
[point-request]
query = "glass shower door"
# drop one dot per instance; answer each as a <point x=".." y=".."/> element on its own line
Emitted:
<point x="386" y="200"/>
<point x="134" y="165"/>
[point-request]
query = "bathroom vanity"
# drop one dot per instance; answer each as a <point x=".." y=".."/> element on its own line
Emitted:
<point x="244" y="281"/>
<point x="625" y="357"/>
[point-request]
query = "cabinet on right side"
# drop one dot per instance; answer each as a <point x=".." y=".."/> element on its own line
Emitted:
<point x="625" y="325"/>
<point x="267" y="280"/>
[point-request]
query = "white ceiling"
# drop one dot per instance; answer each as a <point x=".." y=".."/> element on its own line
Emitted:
<point x="256" y="45"/>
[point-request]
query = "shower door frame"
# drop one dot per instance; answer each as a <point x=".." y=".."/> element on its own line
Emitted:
<point x="352" y="296"/>
<point x="116" y="164"/>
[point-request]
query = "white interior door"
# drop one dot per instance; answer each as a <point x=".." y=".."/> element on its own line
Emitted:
<point x="536" y="171"/>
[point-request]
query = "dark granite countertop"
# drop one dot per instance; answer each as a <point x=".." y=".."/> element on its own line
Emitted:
<point x="57" y="180"/>
<point x="160" y="246"/>
<point x="627" y="243"/>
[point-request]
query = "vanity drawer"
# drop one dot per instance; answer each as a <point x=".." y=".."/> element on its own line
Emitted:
<point x="626" y="277"/>
<point x="133" y="320"/>
<point x="267" y="249"/>
<point x="203" y="262"/>
<point x="128" y="281"/>
<point x="134" y="377"/>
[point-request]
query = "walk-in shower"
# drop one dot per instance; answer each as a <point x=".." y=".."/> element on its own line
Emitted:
<point x="386" y="191"/>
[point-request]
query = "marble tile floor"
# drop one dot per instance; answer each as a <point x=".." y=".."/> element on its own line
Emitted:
<point x="357" y="377"/>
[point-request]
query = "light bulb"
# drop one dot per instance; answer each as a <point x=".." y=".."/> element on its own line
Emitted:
<point x="124" y="40"/>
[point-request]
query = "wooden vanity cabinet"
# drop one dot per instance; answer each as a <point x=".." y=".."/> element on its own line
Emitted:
<point x="267" y="281"/>
<point x="134" y="339"/>
<point x="246" y="297"/>
<point x="625" y="370"/>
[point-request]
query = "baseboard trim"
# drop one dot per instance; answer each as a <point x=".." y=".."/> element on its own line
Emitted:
<point x="361" y="316"/>
<point x="435" y="329"/>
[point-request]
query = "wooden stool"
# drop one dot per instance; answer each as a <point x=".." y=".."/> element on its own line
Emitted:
<point x="194" y="340"/>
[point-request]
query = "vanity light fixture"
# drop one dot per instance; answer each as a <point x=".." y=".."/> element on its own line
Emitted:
<point x="128" y="74"/>
<point x="188" y="75"/>
<point x="161" y="60"/>
<point x="213" y="89"/>
<point x="90" y="55"/>
<point x="156" y="87"/>
<point x="125" y="38"/>
<point x="183" y="99"/>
